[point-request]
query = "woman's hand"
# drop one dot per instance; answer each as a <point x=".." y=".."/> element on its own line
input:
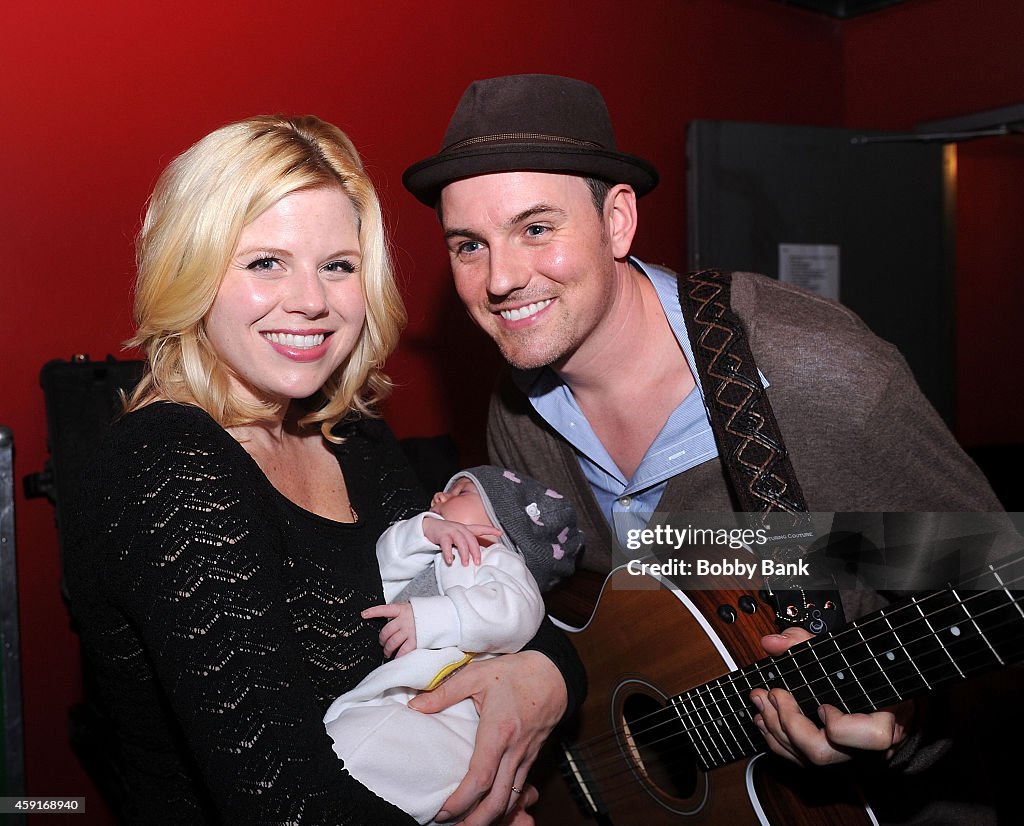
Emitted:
<point x="792" y="735"/>
<point x="520" y="698"/>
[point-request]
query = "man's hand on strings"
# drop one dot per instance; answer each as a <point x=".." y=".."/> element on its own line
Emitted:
<point x="790" y="734"/>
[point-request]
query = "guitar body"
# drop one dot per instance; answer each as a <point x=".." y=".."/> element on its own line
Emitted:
<point x="644" y="644"/>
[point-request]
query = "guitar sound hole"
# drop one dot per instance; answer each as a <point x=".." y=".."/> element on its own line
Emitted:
<point x="659" y="746"/>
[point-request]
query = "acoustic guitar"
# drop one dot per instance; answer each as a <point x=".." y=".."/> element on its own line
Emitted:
<point x="666" y="735"/>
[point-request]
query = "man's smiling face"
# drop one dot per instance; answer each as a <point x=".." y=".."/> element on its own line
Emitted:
<point x="531" y="261"/>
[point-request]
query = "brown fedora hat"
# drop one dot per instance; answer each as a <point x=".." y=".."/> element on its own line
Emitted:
<point x="542" y="123"/>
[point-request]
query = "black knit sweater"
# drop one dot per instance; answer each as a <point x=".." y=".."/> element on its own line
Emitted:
<point x="219" y="620"/>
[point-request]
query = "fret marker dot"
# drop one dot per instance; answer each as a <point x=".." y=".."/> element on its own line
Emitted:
<point x="771" y="675"/>
<point x="840" y="675"/>
<point x="954" y="631"/>
<point x="890" y="656"/>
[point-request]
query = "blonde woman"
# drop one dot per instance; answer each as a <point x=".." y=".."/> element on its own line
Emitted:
<point x="225" y="548"/>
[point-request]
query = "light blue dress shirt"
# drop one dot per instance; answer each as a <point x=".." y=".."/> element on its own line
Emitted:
<point x="685" y="441"/>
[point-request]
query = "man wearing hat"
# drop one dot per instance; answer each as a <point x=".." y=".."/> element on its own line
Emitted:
<point x="605" y="398"/>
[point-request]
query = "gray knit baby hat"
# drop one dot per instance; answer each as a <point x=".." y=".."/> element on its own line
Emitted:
<point x="534" y="519"/>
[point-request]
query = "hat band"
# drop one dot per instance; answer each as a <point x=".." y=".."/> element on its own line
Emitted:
<point x="506" y="137"/>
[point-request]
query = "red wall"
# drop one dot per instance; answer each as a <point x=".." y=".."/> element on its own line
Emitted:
<point x="99" y="96"/>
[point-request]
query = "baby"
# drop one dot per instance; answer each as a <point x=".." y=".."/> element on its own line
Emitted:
<point x="462" y="581"/>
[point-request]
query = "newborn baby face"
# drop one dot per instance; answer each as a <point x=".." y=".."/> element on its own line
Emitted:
<point x="461" y="503"/>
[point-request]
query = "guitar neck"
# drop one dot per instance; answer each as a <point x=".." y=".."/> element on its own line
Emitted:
<point x="878" y="660"/>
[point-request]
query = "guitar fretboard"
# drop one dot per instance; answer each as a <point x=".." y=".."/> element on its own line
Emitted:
<point x="875" y="661"/>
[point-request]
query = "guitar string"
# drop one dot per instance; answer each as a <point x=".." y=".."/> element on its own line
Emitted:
<point x="861" y="625"/>
<point x="865" y="624"/>
<point x="626" y="774"/>
<point x="954" y="614"/>
<point x="669" y="713"/>
<point x="623" y="774"/>
<point x="833" y="681"/>
<point x="750" y="733"/>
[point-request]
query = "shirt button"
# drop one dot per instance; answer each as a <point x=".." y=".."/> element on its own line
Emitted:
<point x="625" y="501"/>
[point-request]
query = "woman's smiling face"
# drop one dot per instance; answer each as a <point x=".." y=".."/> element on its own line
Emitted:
<point x="290" y="306"/>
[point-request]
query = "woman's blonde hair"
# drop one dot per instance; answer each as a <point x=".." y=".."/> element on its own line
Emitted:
<point x="195" y="215"/>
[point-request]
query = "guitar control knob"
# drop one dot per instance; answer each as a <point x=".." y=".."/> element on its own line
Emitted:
<point x="727" y="613"/>
<point x="747" y="604"/>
